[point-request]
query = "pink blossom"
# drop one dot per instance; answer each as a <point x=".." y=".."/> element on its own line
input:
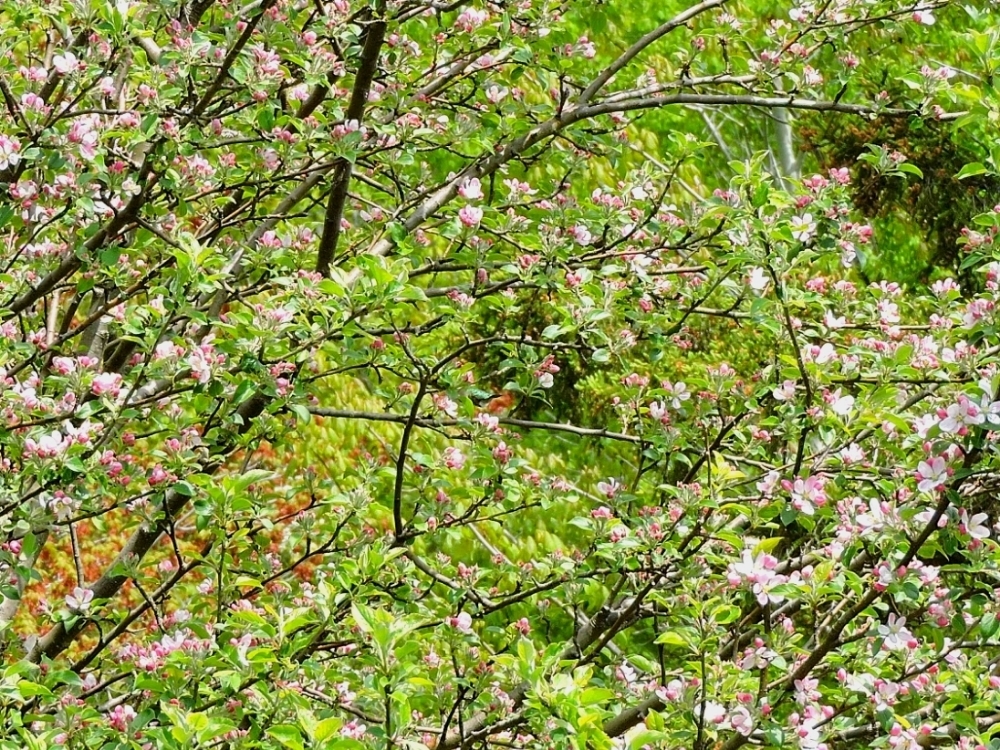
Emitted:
<point x="268" y="63"/>
<point x="496" y="94"/>
<point x="841" y="175"/>
<point x="678" y="393"/>
<point x="807" y="494"/>
<point x="977" y="311"/>
<point x="48" y="445"/>
<point x="168" y="350"/>
<point x="821" y="355"/>
<point x="885" y="576"/>
<point x="445" y="404"/>
<point x="757" y="657"/>
<point x="610" y="488"/>
<point x="454" y="458"/>
<point x="713" y="713"/>
<point x="80" y="599"/>
<point x="502" y="453"/>
<point x="894" y="633"/>
<point x="958" y="417"/>
<point x="201" y="366"/>
<point x="852" y="454"/>
<point x="888" y="312"/>
<point x="158" y="476"/>
<point x="461" y="622"/>
<point x="470" y="216"/>
<point x="581" y="234"/>
<point x="805" y="690"/>
<point x="875" y="519"/>
<point x="106" y="384"/>
<point x="841" y="405"/>
<point x="769" y="483"/>
<point x="741" y="721"/>
<point x="64" y="365"/>
<point x="812" y="76"/>
<point x="515" y="187"/>
<point x="658" y="412"/>
<point x="932" y="474"/>
<point x="121" y="716"/>
<point x="586" y="48"/>
<point x="488" y="421"/>
<point x="618" y="533"/>
<point x="354" y="730"/>
<point x="635" y="380"/>
<point x="832" y="322"/>
<point x="759" y="572"/>
<point x="65" y="62"/>
<point x="471" y="19"/>
<point x="673" y="690"/>
<point x="9" y="151"/>
<point x="786" y="392"/>
<point x="974" y="526"/>
<point x="471" y="189"/>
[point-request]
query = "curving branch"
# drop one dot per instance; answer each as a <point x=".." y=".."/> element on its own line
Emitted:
<point x="641" y="44"/>
<point x="526" y="424"/>
<point x="517" y="148"/>
<point x="60" y="636"/>
<point x="367" y="67"/>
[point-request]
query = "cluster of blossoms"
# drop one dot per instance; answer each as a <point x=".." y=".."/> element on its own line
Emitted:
<point x="213" y="244"/>
<point x="760" y="573"/>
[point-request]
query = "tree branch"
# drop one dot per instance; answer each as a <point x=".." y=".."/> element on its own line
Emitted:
<point x="368" y="65"/>
<point x="630" y="54"/>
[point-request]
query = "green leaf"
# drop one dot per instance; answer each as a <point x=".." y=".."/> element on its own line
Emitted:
<point x="595" y="695"/>
<point x="767" y="545"/>
<point x="726" y="614"/>
<point x="184" y="488"/>
<point x="111" y="256"/>
<point x="242" y="482"/>
<point x="243" y="391"/>
<point x="971" y="170"/>
<point x="287" y="734"/>
<point x="989" y="625"/>
<point x="327" y="728"/>
<point x="672" y="638"/>
<point x="32" y="689"/>
<point x="909" y="169"/>
<point x="647" y="737"/>
<point x="364" y="617"/>
<point x="301" y="412"/>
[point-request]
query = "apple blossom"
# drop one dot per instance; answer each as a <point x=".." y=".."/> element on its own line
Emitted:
<point x="958" y="417"/>
<point x="758" y="279"/>
<point x="803" y="227"/>
<point x="470" y="216"/>
<point x="609" y="488"/>
<point x="975" y="526"/>
<point x="471" y="189"/>
<point x="461" y="622"/>
<point x="243" y="337"/>
<point x="65" y="62"/>
<point x="894" y="633"/>
<point x="80" y="599"/>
